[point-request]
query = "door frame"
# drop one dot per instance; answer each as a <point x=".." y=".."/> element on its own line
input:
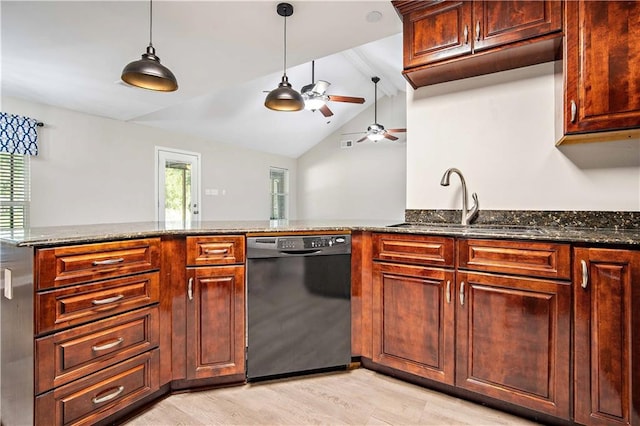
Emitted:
<point x="178" y="155"/>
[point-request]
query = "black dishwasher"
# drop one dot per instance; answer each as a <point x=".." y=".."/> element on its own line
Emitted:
<point x="298" y="304"/>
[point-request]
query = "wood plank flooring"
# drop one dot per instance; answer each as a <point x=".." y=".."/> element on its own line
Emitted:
<point x="356" y="397"/>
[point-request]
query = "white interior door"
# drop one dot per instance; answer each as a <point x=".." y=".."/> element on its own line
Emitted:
<point x="178" y="186"/>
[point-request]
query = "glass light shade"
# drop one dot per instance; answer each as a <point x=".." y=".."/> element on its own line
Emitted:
<point x="375" y="136"/>
<point x="284" y="98"/>
<point x="149" y="73"/>
<point x="313" y="103"/>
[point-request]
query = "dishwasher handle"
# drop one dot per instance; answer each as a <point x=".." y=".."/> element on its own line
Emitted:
<point x="301" y="252"/>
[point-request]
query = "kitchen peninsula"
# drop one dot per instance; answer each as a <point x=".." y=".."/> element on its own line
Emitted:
<point x="98" y="321"/>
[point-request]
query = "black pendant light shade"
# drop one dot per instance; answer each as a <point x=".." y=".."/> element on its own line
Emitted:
<point x="284" y="97"/>
<point x="148" y="72"/>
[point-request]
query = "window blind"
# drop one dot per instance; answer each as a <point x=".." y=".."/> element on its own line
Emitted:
<point x="14" y="191"/>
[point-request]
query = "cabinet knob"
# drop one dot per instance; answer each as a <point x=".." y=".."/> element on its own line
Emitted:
<point x="585" y="274"/>
<point x="574" y="111"/>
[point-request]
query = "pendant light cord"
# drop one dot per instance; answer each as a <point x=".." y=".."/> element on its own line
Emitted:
<point x="375" y="103"/>
<point x="150" y="21"/>
<point x="285" y="46"/>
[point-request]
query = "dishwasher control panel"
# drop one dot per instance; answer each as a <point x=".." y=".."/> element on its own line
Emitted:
<point x="300" y="244"/>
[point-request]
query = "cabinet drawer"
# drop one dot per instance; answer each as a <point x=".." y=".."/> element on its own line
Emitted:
<point x="92" y="398"/>
<point x="537" y="259"/>
<point x="417" y="249"/>
<point x="72" y="354"/>
<point x="78" y="304"/>
<point x="215" y="250"/>
<point x="62" y="266"/>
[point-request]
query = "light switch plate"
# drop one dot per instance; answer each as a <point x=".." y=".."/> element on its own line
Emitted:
<point x="8" y="285"/>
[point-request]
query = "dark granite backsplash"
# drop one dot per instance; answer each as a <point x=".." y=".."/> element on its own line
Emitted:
<point x="571" y="219"/>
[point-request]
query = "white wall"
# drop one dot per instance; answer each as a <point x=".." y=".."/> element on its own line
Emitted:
<point x="499" y="130"/>
<point x="97" y="170"/>
<point x="367" y="181"/>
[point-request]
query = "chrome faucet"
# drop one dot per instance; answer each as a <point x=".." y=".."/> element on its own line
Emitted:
<point x="467" y="215"/>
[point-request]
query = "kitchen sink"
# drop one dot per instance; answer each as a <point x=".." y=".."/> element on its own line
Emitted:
<point x="471" y="229"/>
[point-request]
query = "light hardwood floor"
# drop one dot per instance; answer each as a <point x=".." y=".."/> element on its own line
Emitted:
<point x="356" y="397"/>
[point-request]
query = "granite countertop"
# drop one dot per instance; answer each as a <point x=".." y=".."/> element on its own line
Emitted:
<point x="488" y="226"/>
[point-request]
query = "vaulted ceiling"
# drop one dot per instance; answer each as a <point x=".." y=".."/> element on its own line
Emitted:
<point x="225" y="54"/>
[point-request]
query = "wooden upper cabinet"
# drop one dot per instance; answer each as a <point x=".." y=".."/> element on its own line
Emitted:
<point x="501" y="22"/>
<point x="450" y="40"/>
<point x="607" y="336"/>
<point x="602" y="71"/>
<point x="436" y="33"/>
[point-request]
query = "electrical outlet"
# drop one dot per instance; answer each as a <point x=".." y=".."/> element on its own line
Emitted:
<point x="8" y="284"/>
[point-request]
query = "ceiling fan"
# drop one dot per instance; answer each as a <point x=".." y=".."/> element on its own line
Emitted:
<point x="315" y="97"/>
<point x="376" y="131"/>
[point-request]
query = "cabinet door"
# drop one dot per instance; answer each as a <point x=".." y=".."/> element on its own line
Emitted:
<point x="602" y="75"/>
<point x="607" y="336"/>
<point x="413" y="320"/>
<point x="500" y="22"/>
<point x="215" y="321"/>
<point x="437" y="32"/>
<point x="513" y="340"/>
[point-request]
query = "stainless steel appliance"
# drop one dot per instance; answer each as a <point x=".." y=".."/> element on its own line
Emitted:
<point x="298" y="304"/>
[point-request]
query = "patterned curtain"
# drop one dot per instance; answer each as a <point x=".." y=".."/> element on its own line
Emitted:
<point x="18" y="134"/>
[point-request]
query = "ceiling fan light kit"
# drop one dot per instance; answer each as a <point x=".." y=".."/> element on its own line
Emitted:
<point x="284" y="97"/>
<point x="148" y="72"/>
<point x="315" y="97"/>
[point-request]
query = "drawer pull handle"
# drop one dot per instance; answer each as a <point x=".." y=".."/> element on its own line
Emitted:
<point x="465" y="33"/>
<point x="190" y="289"/>
<point x="462" y="293"/>
<point x="108" y="397"/>
<point x="574" y="111"/>
<point x="585" y="274"/>
<point x="106" y="346"/>
<point x="108" y="261"/>
<point x="478" y="31"/>
<point x="448" y="291"/>
<point x="108" y="300"/>
<point x="216" y="251"/>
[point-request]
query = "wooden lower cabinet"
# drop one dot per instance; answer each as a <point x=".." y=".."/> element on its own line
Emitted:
<point x="413" y="320"/>
<point x="215" y="321"/>
<point x="99" y="395"/>
<point x="513" y="336"/>
<point x="607" y="336"/>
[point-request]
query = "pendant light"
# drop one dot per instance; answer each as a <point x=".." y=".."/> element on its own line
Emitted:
<point x="148" y="72"/>
<point x="284" y="97"/>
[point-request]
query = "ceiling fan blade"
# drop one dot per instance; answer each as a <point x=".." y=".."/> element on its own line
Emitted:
<point x="353" y="133"/>
<point x="396" y="130"/>
<point x="362" y="139"/>
<point x="325" y="111"/>
<point x="390" y="137"/>
<point x="349" y="99"/>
